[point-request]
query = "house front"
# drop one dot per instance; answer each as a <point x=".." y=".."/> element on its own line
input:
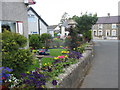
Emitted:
<point x="13" y="16"/>
<point x="106" y="28"/>
<point x="36" y="25"/>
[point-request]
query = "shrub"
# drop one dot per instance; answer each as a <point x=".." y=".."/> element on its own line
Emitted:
<point x="46" y="39"/>
<point x="35" y="41"/>
<point x="12" y="56"/>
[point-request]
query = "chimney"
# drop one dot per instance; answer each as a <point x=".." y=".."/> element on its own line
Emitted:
<point x="108" y="14"/>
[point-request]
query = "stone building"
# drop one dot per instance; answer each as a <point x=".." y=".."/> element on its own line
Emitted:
<point x="106" y="28"/>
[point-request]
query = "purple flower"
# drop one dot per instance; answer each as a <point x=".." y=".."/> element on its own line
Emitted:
<point x="8" y="69"/>
<point x="54" y="82"/>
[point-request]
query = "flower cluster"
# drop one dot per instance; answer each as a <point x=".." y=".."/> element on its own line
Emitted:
<point x="64" y="52"/>
<point x="4" y="76"/>
<point x="34" y="79"/>
<point x="75" y="55"/>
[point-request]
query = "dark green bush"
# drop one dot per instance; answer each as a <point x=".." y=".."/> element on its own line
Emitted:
<point x="12" y="56"/>
<point x="35" y="41"/>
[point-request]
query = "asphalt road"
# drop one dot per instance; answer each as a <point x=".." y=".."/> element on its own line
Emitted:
<point x="104" y="72"/>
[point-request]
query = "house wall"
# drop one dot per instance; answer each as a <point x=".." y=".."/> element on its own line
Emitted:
<point x="32" y="23"/>
<point x="14" y="10"/>
<point x="104" y="29"/>
<point x="43" y="28"/>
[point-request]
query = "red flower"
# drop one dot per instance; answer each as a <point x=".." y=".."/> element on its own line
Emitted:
<point x="3" y="78"/>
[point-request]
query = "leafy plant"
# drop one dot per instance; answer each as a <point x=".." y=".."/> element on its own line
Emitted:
<point x="12" y="56"/>
<point x="35" y="41"/>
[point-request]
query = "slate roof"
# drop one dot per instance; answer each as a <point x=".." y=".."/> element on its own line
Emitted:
<point x="108" y="20"/>
<point x="30" y="8"/>
<point x="52" y="26"/>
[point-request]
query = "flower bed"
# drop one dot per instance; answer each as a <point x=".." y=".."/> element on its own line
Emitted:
<point x="49" y="70"/>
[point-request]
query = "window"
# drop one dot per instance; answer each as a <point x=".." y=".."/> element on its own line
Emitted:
<point x="113" y="32"/>
<point x="107" y="32"/>
<point x="100" y="26"/>
<point x="114" y="26"/>
<point x="19" y="27"/>
<point x="8" y="25"/>
<point x="31" y="18"/>
<point x="95" y="32"/>
<point x="100" y="33"/>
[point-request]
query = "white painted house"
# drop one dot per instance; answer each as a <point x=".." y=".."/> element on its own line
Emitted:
<point x="53" y="29"/>
<point x="36" y="25"/>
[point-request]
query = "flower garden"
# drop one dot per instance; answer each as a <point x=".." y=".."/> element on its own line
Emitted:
<point x="22" y="69"/>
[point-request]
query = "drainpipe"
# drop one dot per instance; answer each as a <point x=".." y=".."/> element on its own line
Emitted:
<point x="39" y="26"/>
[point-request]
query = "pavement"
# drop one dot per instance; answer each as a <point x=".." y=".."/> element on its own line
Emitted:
<point x="104" y="72"/>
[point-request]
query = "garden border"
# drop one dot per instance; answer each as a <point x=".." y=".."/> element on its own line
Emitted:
<point x="75" y="73"/>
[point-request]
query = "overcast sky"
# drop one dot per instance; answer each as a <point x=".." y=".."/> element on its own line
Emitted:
<point x="52" y="10"/>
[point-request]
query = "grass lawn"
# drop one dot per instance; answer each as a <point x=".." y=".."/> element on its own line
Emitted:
<point x="53" y="52"/>
<point x="56" y="52"/>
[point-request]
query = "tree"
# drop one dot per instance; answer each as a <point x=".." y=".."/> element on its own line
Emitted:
<point x="35" y="41"/>
<point x="85" y="22"/>
<point x="46" y="38"/>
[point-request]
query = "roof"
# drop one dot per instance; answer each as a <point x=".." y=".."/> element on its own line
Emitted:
<point x="108" y="20"/>
<point x="52" y="26"/>
<point x="30" y="8"/>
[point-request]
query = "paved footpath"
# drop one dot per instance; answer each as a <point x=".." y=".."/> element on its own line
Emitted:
<point x="104" y="72"/>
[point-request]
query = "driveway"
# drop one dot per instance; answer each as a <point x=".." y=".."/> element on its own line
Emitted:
<point x="104" y="72"/>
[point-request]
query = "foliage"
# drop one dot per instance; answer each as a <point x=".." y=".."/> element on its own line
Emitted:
<point x="46" y="39"/>
<point x="35" y="41"/>
<point x="57" y="42"/>
<point x="12" y="56"/>
<point x="84" y="23"/>
<point x="88" y="35"/>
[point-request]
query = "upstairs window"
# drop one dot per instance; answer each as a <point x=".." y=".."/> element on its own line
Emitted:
<point x="100" y="26"/>
<point x="31" y="18"/>
<point x="114" y="26"/>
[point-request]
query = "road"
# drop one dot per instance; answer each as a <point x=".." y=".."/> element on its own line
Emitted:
<point x="104" y="72"/>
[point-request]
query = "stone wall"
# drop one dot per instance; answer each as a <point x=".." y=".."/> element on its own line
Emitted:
<point x="74" y="74"/>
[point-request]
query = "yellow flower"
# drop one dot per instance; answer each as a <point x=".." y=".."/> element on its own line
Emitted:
<point x="45" y="64"/>
<point x="61" y="46"/>
<point x="73" y="48"/>
<point x="55" y="57"/>
<point x="66" y="56"/>
<point x="28" y="72"/>
<point x="43" y="86"/>
<point x="68" y="52"/>
<point x="43" y="47"/>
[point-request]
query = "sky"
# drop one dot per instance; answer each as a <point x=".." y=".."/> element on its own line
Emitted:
<point x="52" y="10"/>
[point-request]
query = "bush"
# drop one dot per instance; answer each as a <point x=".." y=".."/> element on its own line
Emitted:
<point x="57" y="42"/>
<point x="12" y="56"/>
<point x="46" y="39"/>
<point x="35" y="41"/>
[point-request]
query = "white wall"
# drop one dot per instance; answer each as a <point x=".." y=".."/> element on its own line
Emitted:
<point x="43" y="28"/>
<point x="32" y="23"/>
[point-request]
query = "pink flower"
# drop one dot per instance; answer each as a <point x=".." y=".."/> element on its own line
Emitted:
<point x="61" y="57"/>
